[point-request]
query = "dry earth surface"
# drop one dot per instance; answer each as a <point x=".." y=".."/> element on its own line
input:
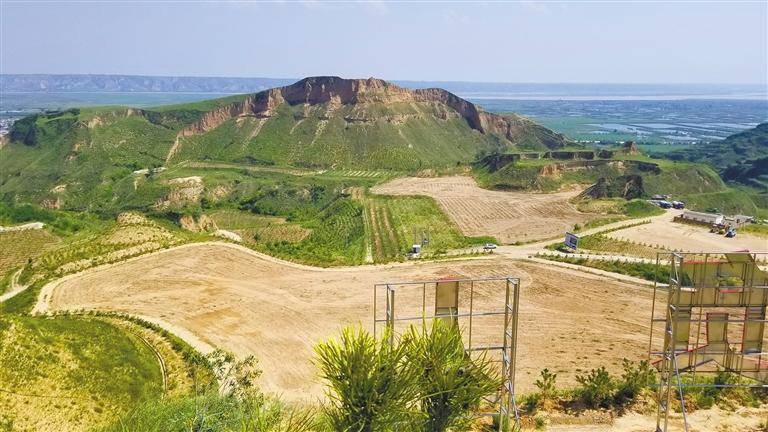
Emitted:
<point x="508" y="216"/>
<point x="237" y="299"/>
<point x="689" y="238"/>
<point x="709" y="420"/>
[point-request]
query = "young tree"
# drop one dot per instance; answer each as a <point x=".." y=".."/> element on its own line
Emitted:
<point x="370" y="387"/>
<point x="452" y="384"/>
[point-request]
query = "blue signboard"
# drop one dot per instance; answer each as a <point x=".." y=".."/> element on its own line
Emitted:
<point x="571" y="240"/>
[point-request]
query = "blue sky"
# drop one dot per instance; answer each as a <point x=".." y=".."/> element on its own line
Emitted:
<point x="502" y="42"/>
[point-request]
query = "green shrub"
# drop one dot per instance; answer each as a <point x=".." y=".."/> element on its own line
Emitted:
<point x="452" y="385"/>
<point x="634" y="379"/>
<point x="597" y="388"/>
<point x="370" y="386"/>
<point x="546" y="386"/>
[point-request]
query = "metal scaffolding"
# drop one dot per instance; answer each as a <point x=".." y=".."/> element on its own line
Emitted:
<point x="713" y="313"/>
<point x="485" y="309"/>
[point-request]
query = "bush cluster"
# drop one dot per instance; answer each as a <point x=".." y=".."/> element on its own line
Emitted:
<point x="597" y="388"/>
<point x="425" y="381"/>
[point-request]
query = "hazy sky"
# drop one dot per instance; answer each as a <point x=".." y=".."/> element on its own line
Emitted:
<point x="508" y="42"/>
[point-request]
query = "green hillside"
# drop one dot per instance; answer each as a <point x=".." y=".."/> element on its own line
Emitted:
<point x="290" y="139"/>
<point x="71" y="373"/>
<point x="618" y="174"/>
<point x="84" y="159"/>
<point x="741" y="158"/>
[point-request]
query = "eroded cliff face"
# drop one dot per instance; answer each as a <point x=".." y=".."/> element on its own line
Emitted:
<point x="335" y="92"/>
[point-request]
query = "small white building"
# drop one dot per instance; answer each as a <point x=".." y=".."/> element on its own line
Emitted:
<point x="707" y="218"/>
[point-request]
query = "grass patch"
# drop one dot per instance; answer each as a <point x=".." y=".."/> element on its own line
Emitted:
<point x="731" y="201"/>
<point x="760" y="230"/>
<point x="640" y="209"/>
<point x="23" y="302"/>
<point x="600" y="243"/>
<point x="596" y="223"/>
<point x="398" y="222"/>
<point x="212" y="412"/>
<point x="23" y="247"/>
<point x="72" y="373"/>
<point x="337" y="237"/>
<point x="257" y="230"/>
<point x="641" y="270"/>
<point x="5" y="281"/>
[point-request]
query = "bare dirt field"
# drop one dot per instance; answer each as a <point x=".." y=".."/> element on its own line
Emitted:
<point x="508" y="216"/>
<point x="233" y="298"/>
<point x="689" y="238"/>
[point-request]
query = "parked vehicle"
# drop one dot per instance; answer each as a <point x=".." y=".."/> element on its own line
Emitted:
<point x="489" y="246"/>
<point x="678" y="205"/>
<point x="730" y="233"/>
<point x="665" y="204"/>
<point x="718" y="229"/>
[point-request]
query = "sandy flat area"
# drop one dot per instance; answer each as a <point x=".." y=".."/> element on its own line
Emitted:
<point x="233" y="298"/>
<point x="508" y="216"/>
<point x="689" y="238"/>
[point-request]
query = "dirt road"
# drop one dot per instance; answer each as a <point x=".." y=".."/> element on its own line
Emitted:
<point x="231" y="297"/>
<point x="508" y="216"/>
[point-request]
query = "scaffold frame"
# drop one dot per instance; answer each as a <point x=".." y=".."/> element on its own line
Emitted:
<point x="705" y="291"/>
<point x="468" y="309"/>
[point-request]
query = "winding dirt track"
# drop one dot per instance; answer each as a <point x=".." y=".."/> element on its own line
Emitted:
<point x="231" y="297"/>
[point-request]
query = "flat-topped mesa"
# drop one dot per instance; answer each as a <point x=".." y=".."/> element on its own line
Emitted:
<point x="340" y="91"/>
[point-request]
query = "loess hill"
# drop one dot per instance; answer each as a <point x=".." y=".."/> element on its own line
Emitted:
<point x="320" y="122"/>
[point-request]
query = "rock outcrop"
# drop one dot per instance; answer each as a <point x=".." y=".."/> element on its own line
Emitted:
<point x="336" y="91"/>
<point x="626" y="186"/>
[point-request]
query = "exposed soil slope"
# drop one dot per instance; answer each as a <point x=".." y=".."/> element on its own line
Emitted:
<point x="252" y="304"/>
<point x="508" y="216"/>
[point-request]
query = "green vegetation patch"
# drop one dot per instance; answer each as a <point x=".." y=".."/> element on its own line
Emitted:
<point x="337" y="237"/>
<point x="732" y="201"/>
<point x="600" y="243"/>
<point x="213" y="412"/>
<point x="646" y="176"/>
<point x="22" y="247"/>
<point x="756" y="229"/>
<point x="70" y="373"/>
<point x="616" y="209"/>
<point x="410" y="216"/>
<point x="647" y="271"/>
<point x="608" y="245"/>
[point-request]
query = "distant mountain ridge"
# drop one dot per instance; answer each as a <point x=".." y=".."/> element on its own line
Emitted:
<point x="16" y="83"/>
<point x="122" y="83"/>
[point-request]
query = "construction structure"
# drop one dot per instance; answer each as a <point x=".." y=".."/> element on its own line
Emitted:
<point x="484" y="309"/>
<point x="702" y="218"/>
<point x="712" y="316"/>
